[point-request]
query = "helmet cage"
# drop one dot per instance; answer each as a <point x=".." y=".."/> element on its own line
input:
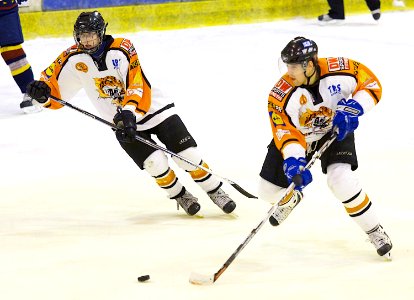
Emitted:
<point x="89" y="22"/>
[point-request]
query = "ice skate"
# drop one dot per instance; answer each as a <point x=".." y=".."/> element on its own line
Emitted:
<point x="28" y="107"/>
<point x="376" y="14"/>
<point x="382" y="242"/>
<point x="327" y="19"/>
<point x="188" y="202"/>
<point x="222" y="200"/>
<point x="285" y="208"/>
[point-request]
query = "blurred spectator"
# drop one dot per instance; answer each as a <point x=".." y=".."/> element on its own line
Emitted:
<point x="337" y="11"/>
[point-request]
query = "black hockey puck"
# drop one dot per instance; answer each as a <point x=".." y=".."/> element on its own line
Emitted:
<point x="143" y="278"/>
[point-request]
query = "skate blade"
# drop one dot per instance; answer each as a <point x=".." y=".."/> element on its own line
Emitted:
<point x="387" y="256"/>
<point x="233" y="215"/>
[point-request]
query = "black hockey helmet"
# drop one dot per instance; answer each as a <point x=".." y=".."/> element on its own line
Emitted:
<point x="89" y="22"/>
<point x="299" y="50"/>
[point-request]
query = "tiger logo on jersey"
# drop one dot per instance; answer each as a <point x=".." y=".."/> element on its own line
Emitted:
<point x="321" y="118"/>
<point x="110" y="87"/>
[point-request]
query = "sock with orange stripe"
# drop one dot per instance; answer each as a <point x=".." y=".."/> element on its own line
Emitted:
<point x="346" y="187"/>
<point x="360" y="209"/>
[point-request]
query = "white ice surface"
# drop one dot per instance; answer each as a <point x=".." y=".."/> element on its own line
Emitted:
<point x="78" y="219"/>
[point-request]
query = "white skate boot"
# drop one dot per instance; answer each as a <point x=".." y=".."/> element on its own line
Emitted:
<point x="382" y="242"/>
<point x="285" y="208"/>
<point x="188" y="202"/>
<point x="222" y="200"/>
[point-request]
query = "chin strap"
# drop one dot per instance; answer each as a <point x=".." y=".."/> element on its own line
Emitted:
<point x="316" y="67"/>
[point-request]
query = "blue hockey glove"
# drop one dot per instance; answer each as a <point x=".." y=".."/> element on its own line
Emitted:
<point x="346" y="117"/>
<point x="295" y="171"/>
<point x="126" y="121"/>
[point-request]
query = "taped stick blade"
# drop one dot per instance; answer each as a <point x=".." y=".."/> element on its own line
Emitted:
<point x="200" y="279"/>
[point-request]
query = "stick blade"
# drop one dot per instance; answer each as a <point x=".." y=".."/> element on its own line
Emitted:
<point x="200" y="279"/>
<point x="243" y="191"/>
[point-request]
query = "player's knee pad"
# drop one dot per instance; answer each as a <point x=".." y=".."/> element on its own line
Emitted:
<point x="156" y="163"/>
<point x="191" y="154"/>
<point x="342" y="181"/>
<point x="269" y="191"/>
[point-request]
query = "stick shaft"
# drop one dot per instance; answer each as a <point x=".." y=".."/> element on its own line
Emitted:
<point x="289" y="189"/>
<point x="158" y="147"/>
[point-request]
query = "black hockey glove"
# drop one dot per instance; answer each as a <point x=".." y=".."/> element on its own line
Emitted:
<point x="126" y="121"/>
<point x="38" y="90"/>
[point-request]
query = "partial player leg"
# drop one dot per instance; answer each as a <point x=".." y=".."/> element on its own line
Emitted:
<point x="157" y="166"/>
<point x="175" y="136"/>
<point x="271" y="193"/>
<point x="155" y="163"/>
<point x="273" y="184"/>
<point x="206" y="181"/>
<point x="22" y="73"/>
<point x="345" y="186"/>
<point x="284" y="208"/>
<point x="336" y="13"/>
<point x="11" y="40"/>
<point x="375" y="8"/>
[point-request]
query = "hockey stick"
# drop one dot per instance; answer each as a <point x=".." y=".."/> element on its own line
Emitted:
<point x="200" y="279"/>
<point x="149" y="143"/>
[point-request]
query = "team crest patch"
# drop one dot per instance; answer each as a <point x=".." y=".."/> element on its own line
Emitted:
<point x="281" y="132"/>
<point x="127" y="45"/>
<point x="280" y="90"/>
<point x="82" y="67"/>
<point x="116" y="63"/>
<point x="303" y="100"/>
<point x="49" y="71"/>
<point x="373" y="86"/>
<point x="276" y="119"/>
<point x="337" y="64"/>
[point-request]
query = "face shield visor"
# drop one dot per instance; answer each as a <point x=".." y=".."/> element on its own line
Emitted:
<point x="88" y="41"/>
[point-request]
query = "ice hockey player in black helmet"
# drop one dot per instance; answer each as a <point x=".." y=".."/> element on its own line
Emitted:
<point x="89" y="31"/>
<point x="298" y="53"/>
<point x="313" y="98"/>
<point x="109" y="71"/>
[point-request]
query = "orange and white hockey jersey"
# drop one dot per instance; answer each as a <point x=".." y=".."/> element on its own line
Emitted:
<point x="116" y="80"/>
<point x="302" y="115"/>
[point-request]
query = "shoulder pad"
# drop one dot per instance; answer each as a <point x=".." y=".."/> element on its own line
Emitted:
<point x="125" y="45"/>
<point x="282" y="88"/>
<point x="335" y="64"/>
